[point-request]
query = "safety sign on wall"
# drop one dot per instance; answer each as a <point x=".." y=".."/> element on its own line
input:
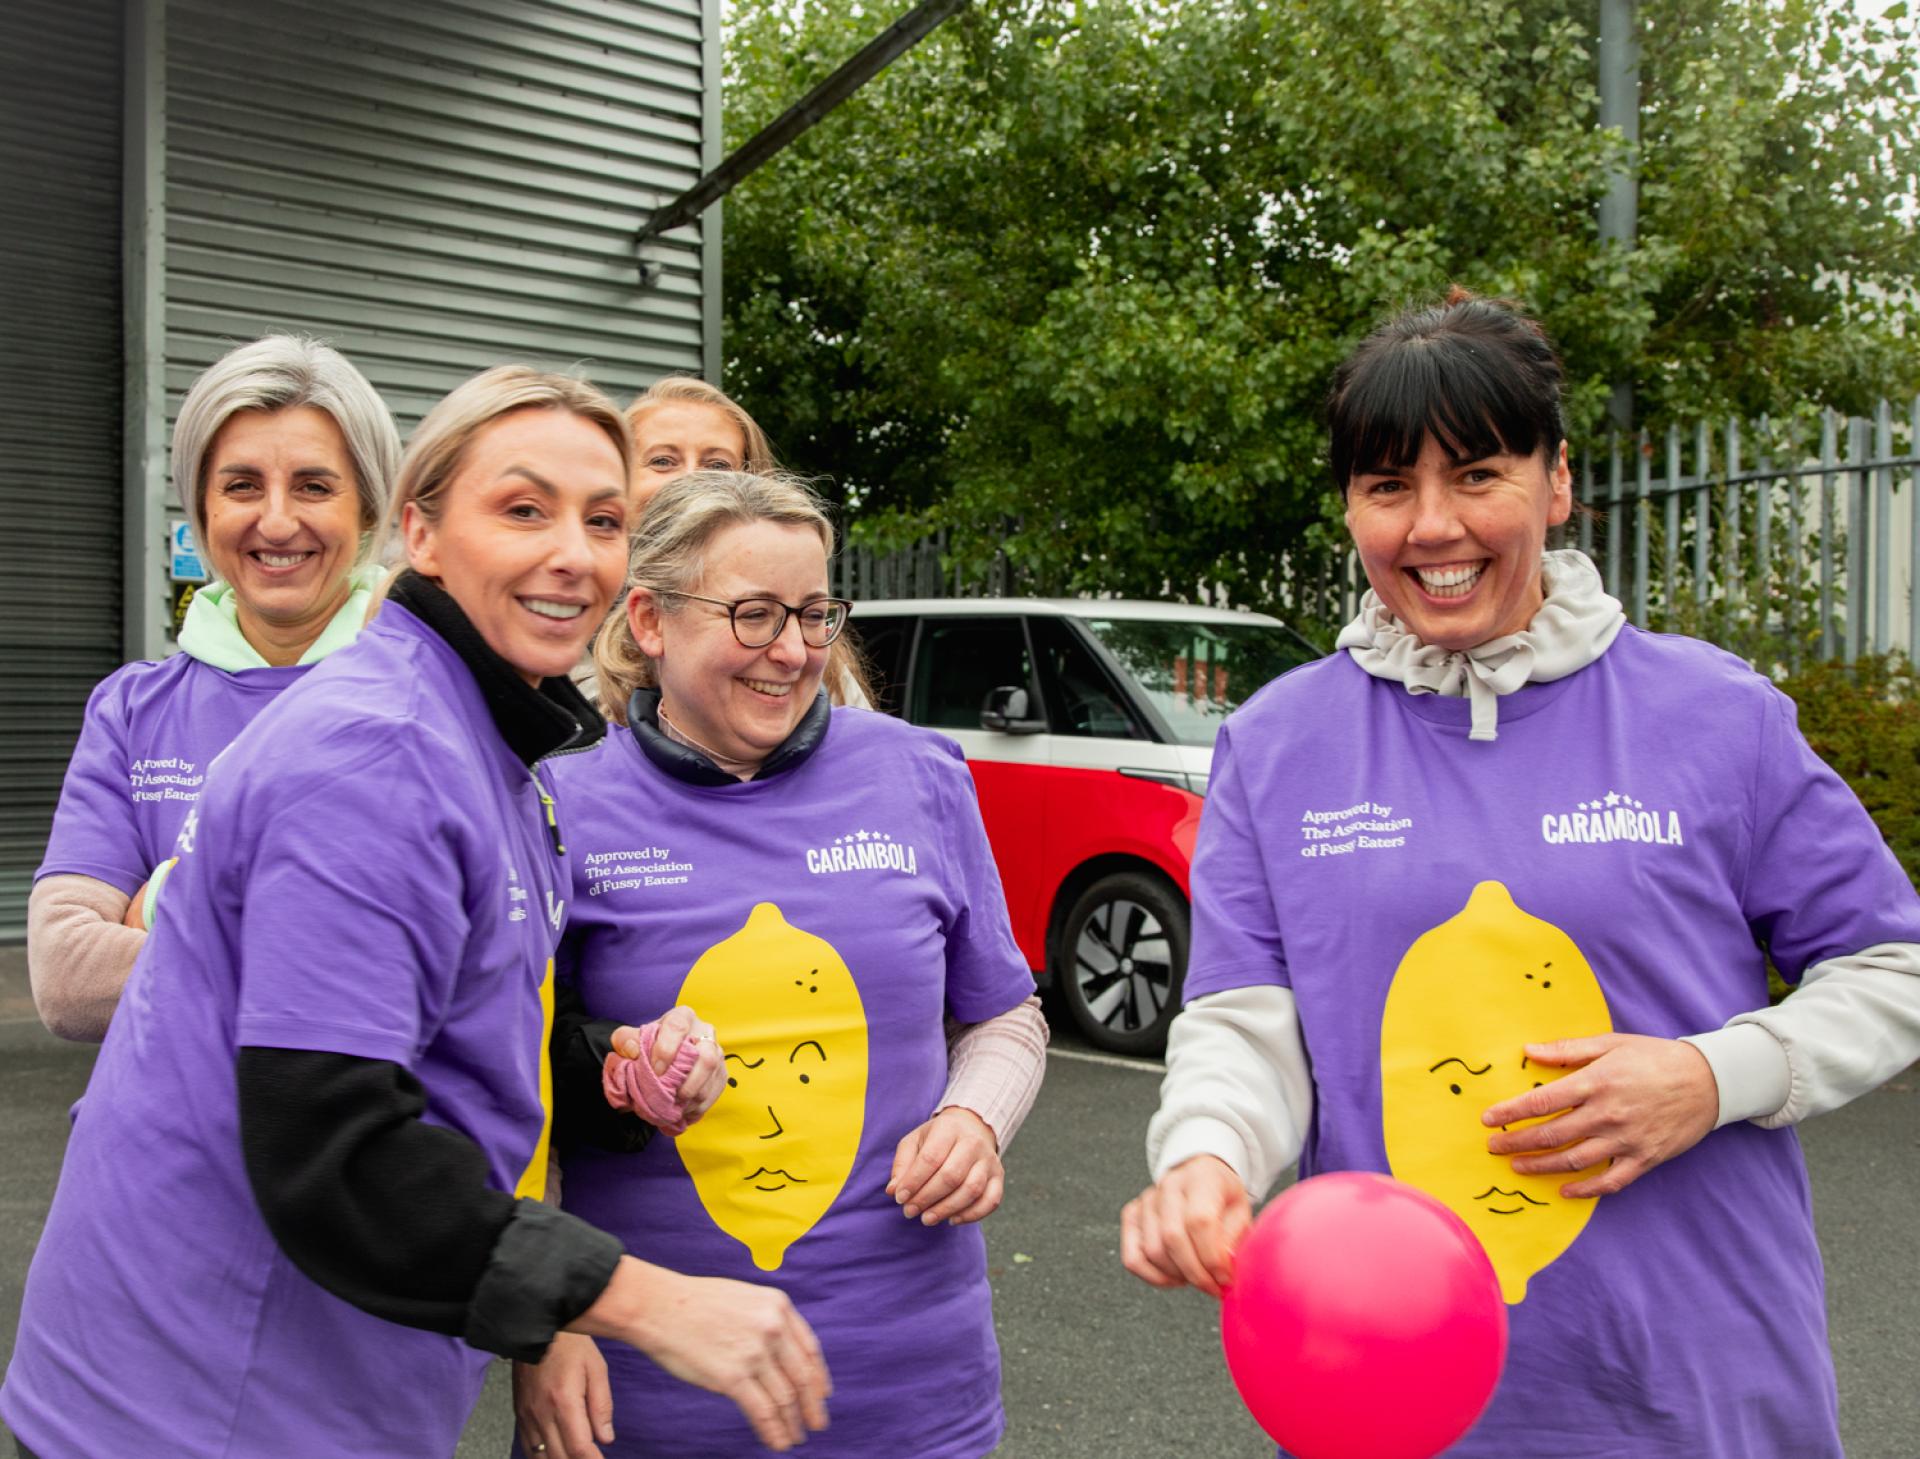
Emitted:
<point x="182" y="600"/>
<point x="183" y="553"/>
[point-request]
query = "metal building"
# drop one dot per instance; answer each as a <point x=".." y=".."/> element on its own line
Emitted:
<point x="434" y="188"/>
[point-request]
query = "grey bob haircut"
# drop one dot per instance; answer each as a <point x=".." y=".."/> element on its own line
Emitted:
<point x="280" y="372"/>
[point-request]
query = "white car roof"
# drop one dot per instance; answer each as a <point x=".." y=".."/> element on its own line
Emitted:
<point x="1116" y="608"/>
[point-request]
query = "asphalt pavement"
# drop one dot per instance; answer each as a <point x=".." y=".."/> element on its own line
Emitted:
<point x="1097" y="1364"/>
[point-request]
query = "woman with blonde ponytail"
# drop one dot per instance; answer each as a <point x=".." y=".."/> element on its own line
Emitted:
<point x="301" y="1203"/>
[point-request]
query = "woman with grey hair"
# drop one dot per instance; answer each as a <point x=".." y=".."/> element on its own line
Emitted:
<point x="283" y="458"/>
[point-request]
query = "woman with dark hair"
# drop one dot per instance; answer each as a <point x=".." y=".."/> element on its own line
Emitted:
<point x="1510" y="870"/>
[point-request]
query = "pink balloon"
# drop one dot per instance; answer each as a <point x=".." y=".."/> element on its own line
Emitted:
<point x="1364" y="1321"/>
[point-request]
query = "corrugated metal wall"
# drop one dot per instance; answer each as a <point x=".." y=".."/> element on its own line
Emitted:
<point x="60" y="376"/>
<point x="435" y="187"/>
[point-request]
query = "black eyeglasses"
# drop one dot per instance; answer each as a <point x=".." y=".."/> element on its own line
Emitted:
<point x="757" y="622"/>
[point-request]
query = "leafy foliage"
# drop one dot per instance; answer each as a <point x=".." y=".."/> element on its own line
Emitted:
<point x="1068" y="280"/>
<point x="1864" y="721"/>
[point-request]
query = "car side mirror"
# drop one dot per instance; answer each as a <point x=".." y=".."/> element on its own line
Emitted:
<point x="1006" y="711"/>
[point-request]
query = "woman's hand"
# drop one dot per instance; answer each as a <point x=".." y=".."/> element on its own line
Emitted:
<point x="1633" y="1100"/>
<point x="564" y="1404"/>
<point x="1182" y="1232"/>
<point x="136" y="909"/>
<point x="707" y="1078"/>
<point x="948" y="1169"/>
<point x="743" y="1341"/>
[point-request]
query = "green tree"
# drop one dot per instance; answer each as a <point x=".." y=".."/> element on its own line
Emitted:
<point x="1068" y="280"/>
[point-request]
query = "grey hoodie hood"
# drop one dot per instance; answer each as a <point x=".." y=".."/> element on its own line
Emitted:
<point x="1575" y="625"/>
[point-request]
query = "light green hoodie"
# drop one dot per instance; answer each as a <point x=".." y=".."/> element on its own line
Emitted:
<point x="212" y="633"/>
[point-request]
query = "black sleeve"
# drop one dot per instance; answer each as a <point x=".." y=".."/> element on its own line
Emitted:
<point x="395" y="1215"/>
<point x="581" y="1114"/>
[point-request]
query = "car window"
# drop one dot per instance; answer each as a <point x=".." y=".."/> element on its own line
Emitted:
<point x="1082" y="699"/>
<point x="1196" y="674"/>
<point x="884" y="644"/>
<point x="959" y="662"/>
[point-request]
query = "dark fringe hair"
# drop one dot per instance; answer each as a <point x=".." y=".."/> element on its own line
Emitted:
<point x="1477" y="375"/>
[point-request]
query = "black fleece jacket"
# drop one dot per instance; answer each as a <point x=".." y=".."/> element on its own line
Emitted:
<point x="382" y="1209"/>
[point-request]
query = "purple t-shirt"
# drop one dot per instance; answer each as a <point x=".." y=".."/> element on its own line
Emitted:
<point x="825" y="920"/>
<point x="1618" y="857"/>
<point x="151" y="730"/>
<point x="368" y="873"/>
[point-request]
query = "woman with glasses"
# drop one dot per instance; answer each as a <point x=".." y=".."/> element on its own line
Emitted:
<point x="816" y="884"/>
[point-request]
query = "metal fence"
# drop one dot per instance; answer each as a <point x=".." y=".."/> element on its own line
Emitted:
<point x="1312" y="588"/>
<point x="910" y="572"/>
<point x="1783" y="541"/>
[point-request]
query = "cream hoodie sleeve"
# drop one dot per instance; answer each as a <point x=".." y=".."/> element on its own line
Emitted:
<point x="1853" y="1023"/>
<point x="1238" y="1087"/>
<point x="78" y="953"/>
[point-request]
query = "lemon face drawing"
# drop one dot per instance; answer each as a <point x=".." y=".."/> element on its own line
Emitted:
<point x="771" y="1156"/>
<point x="1465" y="1000"/>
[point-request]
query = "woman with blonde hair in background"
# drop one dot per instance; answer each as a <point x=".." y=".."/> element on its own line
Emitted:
<point x="815" y="881"/>
<point x="302" y="1199"/>
<point x="283" y="458"/>
<point x="682" y="424"/>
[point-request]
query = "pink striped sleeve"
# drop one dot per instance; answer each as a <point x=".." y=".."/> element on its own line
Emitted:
<point x="994" y="1068"/>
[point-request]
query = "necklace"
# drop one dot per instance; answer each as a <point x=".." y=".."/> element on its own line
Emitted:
<point x="741" y="768"/>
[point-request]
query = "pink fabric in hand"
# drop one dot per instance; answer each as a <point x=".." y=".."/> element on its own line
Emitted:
<point x="631" y="1084"/>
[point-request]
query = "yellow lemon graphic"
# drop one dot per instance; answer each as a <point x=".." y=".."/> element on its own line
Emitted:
<point x="772" y="1154"/>
<point x="1466" y="998"/>
<point x="532" y="1184"/>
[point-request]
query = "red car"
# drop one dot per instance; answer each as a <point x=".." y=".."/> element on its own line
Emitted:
<point x="1089" y="727"/>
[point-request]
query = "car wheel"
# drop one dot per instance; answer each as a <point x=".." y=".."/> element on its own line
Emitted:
<point x="1121" y="961"/>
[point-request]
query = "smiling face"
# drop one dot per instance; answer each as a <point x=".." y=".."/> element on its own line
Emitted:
<point x="1453" y="547"/>
<point x="740" y="703"/>
<point x="531" y="536"/>
<point x="678" y="436"/>
<point x="283" y="523"/>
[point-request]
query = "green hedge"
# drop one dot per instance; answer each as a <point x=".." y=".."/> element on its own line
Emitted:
<point x="1864" y="720"/>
